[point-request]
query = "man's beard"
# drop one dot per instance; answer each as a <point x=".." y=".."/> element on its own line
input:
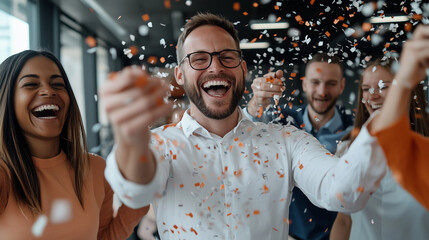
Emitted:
<point x="196" y="97"/>
<point x="334" y="101"/>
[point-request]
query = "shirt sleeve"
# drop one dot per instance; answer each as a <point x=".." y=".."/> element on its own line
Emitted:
<point x="136" y="195"/>
<point x="407" y="155"/>
<point x="338" y="184"/>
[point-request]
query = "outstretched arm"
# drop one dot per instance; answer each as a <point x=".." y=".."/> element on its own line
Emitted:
<point x="406" y="151"/>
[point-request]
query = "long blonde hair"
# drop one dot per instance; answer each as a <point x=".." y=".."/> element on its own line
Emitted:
<point x="14" y="151"/>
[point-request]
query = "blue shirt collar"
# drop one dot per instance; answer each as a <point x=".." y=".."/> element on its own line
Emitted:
<point x="331" y="126"/>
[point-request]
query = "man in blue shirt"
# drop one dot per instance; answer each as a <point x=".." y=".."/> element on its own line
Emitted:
<point x="323" y="84"/>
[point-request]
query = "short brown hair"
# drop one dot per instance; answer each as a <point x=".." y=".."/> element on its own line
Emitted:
<point x="324" y="57"/>
<point x="202" y="19"/>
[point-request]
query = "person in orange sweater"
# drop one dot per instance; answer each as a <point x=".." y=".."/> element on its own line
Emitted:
<point x="50" y="186"/>
<point x="406" y="152"/>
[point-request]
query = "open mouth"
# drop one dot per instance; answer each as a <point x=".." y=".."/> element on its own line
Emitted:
<point x="216" y="88"/>
<point x="48" y="111"/>
<point x="376" y="106"/>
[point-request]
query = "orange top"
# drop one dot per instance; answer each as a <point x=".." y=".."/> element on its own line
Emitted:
<point x="407" y="154"/>
<point x="93" y="221"/>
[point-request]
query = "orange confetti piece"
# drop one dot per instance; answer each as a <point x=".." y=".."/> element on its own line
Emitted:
<point x="193" y="230"/>
<point x="209" y="208"/>
<point x="152" y="60"/>
<point x="175" y="226"/>
<point x="230" y="148"/>
<point x="266" y="189"/>
<point x="143" y="159"/>
<point x="196" y="146"/>
<point x="301" y="166"/>
<point x="408" y="27"/>
<point x="197" y="184"/>
<point x="145" y="17"/>
<point x="253" y="40"/>
<point x="90" y="41"/>
<point x="167" y="4"/>
<point x="302" y="125"/>
<point x="174" y="157"/>
<point x="256" y="212"/>
<point x="141" y="81"/>
<point x="276" y="7"/>
<point x="181" y="185"/>
<point x="229" y="214"/>
<point x="293" y="74"/>
<point x="366" y="26"/>
<point x="360" y="189"/>
<point x="238" y="173"/>
<point x="329" y="154"/>
<point x="275" y="229"/>
<point x="298" y="18"/>
<point x="256" y="154"/>
<point x="327" y="34"/>
<point x="240" y="144"/>
<point x="236" y="139"/>
<point x="245" y="13"/>
<point x="236" y="6"/>
<point x="222" y="187"/>
<point x="310" y="220"/>
<point x="260" y="112"/>
<point x="112" y="75"/>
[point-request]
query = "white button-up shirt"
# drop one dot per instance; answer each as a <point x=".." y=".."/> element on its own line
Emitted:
<point x="239" y="186"/>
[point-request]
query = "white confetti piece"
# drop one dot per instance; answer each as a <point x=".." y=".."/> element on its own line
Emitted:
<point x="374" y="68"/>
<point x="61" y="210"/>
<point x="349" y="31"/>
<point x="116" y="204"/>
<point x="188" y="3"/>
<point x="367" y="9"/>
<point x="149" y="24"/>
<point x="91" y="50"/>
<point x="113" y="52"/>
<point x="132" y="37"/>
<point x="39" y="226"/>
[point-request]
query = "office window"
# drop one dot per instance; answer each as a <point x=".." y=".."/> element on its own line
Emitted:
<point x="14" y="30"/>
<point x="71" y="58"/>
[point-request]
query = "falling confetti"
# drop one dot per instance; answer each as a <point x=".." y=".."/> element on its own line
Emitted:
<point x="61" y="211"/>
<point x="39" y="226"/>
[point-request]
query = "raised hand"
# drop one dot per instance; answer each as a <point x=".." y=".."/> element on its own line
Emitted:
<point x="265" y="88"/>
<point x="133" y="101"/>
<point x="414" y="59"/>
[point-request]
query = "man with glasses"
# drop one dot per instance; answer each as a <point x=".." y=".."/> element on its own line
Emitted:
<point x="216" y="174"/>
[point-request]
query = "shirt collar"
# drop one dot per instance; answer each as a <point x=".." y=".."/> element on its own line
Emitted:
<point x="190" y="126"/>
<point x="332" y="125"/>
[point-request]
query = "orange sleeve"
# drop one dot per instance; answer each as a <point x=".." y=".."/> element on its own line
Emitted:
<point x="121" y="226"/>
<point x="407" y="154"/>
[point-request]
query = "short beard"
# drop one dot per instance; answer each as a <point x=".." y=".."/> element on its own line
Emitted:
<point x="327" y="109"/>
<point x="195" y="96"/>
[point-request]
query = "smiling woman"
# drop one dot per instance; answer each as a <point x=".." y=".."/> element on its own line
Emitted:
<point x="50" y="186"/>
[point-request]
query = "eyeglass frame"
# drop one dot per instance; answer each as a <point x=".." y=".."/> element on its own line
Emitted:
<point x="211" y="58"/>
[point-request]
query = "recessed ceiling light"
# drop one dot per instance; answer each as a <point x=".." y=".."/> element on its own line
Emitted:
<point x="389" y="19"/>
<point x="255" y="45"/>
<point x="268" y="25"/>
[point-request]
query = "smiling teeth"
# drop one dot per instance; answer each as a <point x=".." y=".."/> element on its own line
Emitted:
<point x="376" y="106"/>
<point x="47" y="107"/>
<point x="215" y="83"/>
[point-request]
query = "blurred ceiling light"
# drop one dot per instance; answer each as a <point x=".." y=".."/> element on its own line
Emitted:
<point x="105" y="18"/>
<point x="389" y="19"/>
<point x="255" y="45"/>
<point x="268" y="25"/>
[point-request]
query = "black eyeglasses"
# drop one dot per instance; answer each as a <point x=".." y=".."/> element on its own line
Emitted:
<point x="202" y="60"/>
